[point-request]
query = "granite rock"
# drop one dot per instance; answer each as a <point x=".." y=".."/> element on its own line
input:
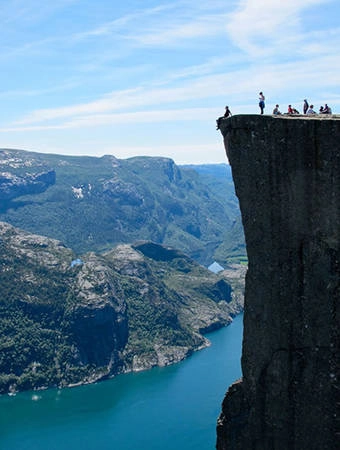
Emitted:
<point x="287" y="178"/>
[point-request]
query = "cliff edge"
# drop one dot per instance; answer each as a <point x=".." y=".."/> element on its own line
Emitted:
<point x="287" y="178"/>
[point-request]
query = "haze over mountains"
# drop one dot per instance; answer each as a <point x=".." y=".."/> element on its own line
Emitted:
<point x="91" y="203"/>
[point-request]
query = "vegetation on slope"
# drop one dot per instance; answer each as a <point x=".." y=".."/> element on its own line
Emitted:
<point x="128" y="309"/>
<point x="95" y="203"/>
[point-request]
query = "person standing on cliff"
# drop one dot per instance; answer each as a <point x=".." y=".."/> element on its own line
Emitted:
<point x="261" y="102"/>
<point x="305" y="106"/>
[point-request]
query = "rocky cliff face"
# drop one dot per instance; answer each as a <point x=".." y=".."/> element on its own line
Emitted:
<point x="66" y="320"/>
<point x="22" y="176"/>
<point x="287" y="178"/>
<point x="60" y="323"/>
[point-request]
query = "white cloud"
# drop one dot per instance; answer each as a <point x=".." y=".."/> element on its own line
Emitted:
<point x="266" y="27"/>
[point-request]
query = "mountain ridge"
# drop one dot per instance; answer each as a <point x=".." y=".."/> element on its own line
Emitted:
<point x="93" y="203"/>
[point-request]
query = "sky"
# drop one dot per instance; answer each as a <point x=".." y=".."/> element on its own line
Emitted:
<point x="134" y="78"/>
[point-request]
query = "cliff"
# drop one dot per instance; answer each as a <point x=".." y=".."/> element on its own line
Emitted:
<point x="13" y="186"/>
<point x="287" y="178"/>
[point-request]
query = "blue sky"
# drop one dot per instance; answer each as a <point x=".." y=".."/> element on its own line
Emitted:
<point x="128" y="78"/>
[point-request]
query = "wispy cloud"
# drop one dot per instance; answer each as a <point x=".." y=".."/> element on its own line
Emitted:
<point x="93" y="120"/>
<point x="31" y="11"/>
<point x="265" y="27"/>
<point x="21" y="93"/>
<point x="169" y="33"/>
<point x="121" y="23"/>
<point x="137" y="104"/>
<point x="166" y="25"/>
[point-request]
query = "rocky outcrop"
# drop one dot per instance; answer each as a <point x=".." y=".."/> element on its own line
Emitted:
<point x="171" y="300"/>
<point x="98" y="319"/>
<point x="60" y="323"/>
<point x="67" y="320"/>
<point x="287" y="178"/>
<point x="13" y="186"/>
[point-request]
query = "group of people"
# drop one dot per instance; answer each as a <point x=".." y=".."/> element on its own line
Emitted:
<point x="322" y="110"/>
<point x="307" y="109"/>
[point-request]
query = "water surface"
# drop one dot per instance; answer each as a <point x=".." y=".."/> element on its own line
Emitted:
<point x="170" y="408"/>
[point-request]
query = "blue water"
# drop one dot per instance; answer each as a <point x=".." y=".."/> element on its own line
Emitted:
<point x="171" y="408"/>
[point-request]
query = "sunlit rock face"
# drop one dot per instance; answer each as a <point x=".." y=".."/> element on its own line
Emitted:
<point x="287" y="178"/>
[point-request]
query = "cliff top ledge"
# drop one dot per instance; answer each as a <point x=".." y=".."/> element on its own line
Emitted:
<point x="247" y="117"/>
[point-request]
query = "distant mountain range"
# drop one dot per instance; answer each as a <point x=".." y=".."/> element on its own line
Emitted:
<point x="92" y="204"/>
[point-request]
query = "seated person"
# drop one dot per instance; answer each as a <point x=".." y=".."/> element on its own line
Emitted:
<point x="276" y="110"/>
<point x="326" y="109"/>
<point x="310" y="110"/>
<point x="225" y="115"/>
<point x="290" y="109"/>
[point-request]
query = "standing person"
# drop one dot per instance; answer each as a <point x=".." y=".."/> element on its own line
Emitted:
<point x="261" y="102"/>
<point x="305" y="106"/>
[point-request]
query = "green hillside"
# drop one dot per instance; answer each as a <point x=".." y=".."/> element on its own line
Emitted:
<point x="91" y="203"/>
<point x="66" y="321"/>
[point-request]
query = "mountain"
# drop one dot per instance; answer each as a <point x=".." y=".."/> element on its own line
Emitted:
<point x="67" y="320"/>
<point x="91" y="204"/>
<point x="218" y="178"/>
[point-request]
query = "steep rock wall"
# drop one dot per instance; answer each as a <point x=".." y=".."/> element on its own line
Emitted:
<point x="287" y="178"/>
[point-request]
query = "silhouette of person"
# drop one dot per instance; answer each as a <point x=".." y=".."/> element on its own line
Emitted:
<point x="305" y="106"/>
<point x="227" y="112"/>
<point x="225" y="115"/>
